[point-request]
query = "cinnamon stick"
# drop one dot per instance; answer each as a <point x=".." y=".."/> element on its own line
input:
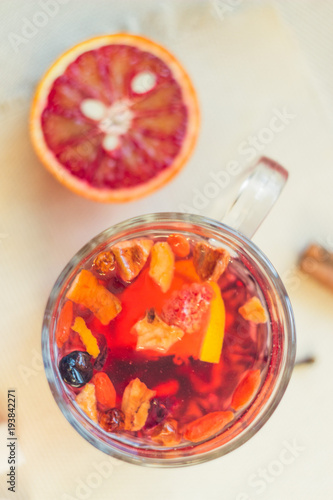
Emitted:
<point x="317" y="262"/>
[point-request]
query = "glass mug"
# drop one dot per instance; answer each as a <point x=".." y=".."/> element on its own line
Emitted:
<point x="257" y="195"/>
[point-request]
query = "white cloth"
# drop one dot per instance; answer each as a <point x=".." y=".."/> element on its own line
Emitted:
<point x="248" y="67"/>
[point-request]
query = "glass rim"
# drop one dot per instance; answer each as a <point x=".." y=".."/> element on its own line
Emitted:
<point x="287" y="362"/>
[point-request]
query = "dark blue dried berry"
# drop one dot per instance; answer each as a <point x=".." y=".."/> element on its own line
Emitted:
<point x="76" y="369"/>
<point x="157" y="413"/>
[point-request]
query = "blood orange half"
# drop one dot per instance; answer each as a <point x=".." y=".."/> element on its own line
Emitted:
<point x="115" y="118"/>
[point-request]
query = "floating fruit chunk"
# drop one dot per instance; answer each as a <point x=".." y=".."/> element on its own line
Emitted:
<point x="162" y="265"/>
<point x="186" y="269"/>
<point x="187" y="308"/>
<point x="253" y="310"/>
<point x="105" y="391"/>
<point x="154" y="334"/>
<point x="112" y="420"/>
<point x="76" y="369"/>
<point x="246" y="390"/>
<point x="213" y="340"/>
<point x="86" y="400"/>
<point x="158" y="412"/>
<point x="179" y="245"/>
<point x="167" y="433"/>
<point x="135" y="404"/>
<point x="209" y="262"/>
<point x="86" y="336"/>
<point x="104" y="263"/>
<point x="86" y="290"/>
<point x="207" y="426"/>
<point x="131" y="256"/>
<point x="64" y="324"/>
<point x="115" y="118"/>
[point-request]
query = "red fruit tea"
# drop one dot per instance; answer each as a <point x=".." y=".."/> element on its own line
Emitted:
<point x="164" y="392"/>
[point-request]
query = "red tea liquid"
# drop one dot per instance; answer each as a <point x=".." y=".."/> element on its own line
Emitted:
<point x="186" y="387"/>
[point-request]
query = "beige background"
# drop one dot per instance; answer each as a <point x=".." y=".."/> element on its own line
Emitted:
<point x="249" y="60"/>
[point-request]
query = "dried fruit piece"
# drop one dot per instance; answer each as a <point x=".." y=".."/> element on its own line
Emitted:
<point x="154" y="334"/>
<point x="209" y="262"/>
<point x="86" y="336"/>
<point x="85" y="290"/>
<point x="213" y="340"/>
<point x="76" y="369"/>
<point x="167" y="433"/>
<point x="208" y="425"/>
<point x="253" y="310"/>
<point x="64" y="324"/>
<point x="246" y="390"/>
<point x="179" y="245"/>
<point x="187" y="308"/>
<point x="104" y="263"/>
<point x="135" y="404"/>
<point x="162" y="265"/>
<point x="157" y="413"/>
<point x="131" y="256"/>
<point x="105" y="391"/>
<point x="112" y="420"/>
<point x="86" y="400"/>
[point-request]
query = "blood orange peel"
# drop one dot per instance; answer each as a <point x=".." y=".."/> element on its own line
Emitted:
<point x="115" y="118"/>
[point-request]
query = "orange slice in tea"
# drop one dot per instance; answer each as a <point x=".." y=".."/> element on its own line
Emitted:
<point x="115" y="118"/>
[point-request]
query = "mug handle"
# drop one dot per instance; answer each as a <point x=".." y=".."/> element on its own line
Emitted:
<point x="256" y="196"/>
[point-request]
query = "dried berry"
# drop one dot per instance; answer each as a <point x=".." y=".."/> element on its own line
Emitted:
<point x="76" y="369"/>
<point x="112" y="420"/>
<point x="157" y="413"/>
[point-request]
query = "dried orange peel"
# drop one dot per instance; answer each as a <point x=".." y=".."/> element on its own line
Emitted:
<point x="86" y="336"/>
<point x="85" y="290"/>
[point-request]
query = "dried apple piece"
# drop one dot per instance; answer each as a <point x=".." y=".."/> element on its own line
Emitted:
<point x="86" y="400"/>
<point x="167" y="433"/>
<point x="253" y="310"/>
<point x="131" y="256"/>
<point x="86" y="336"/>
<point x="135" y="404"/>
<point x="86" y="291"/>
<point x="209" y="262"/>
<point x="162" y="265"/>
<point x="154" y="334"/>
